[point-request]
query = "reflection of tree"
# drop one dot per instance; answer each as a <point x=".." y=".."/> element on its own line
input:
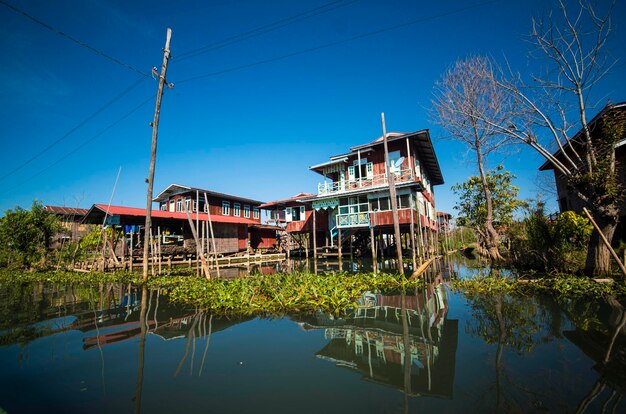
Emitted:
<point x="508" y="321"/>
<point x="605" y="347"/>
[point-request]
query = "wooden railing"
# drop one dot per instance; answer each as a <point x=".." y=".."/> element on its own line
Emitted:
<point x="378" y="180"/>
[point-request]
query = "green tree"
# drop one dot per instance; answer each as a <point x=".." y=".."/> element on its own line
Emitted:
<point x="472" y="206"/>
<point x="25" y="236"/>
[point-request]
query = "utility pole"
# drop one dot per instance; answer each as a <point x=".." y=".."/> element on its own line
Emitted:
<point x="155" y="133"/>
<point x="391" y="177"/>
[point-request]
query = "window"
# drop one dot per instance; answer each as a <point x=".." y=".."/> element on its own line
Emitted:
<point x="195" y="205"/>
<point x="164" y="206"/>
<point x="171" y="205"/>
<point x="361" y="170"/>
<point x="295" y="214"/>
<point x="394" y="164"/>
<point x="351" y="176"/>
<point x="187" y="203"/>
<point x="225" y="208"/>
<point x="369" y="168"/>
<point x="383" y="203"/>
<point x="246" y="211"/>
<point x="404" y="201"/>
<point x="236" y="209"/>
<point x="179" y="204"/>
<point x="256" y="212"/>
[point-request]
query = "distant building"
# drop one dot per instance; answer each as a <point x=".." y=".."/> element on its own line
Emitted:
<point x="236" y="221"/>
<point x="443" y="222"/>
<point x="70" y="219"/>
<point x="567" y="199"/>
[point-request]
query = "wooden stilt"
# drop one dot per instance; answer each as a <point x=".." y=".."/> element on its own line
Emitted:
<point x="314" y="235"/>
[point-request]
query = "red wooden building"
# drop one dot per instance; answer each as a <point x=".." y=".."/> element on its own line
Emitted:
<point x="354" y="194"/>
<point x="236" y="221"/>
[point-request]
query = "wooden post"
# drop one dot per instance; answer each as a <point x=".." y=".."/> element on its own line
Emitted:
<point x="606" y="242"/>
<point x="412" y="230"/>
<point x="339" y="242"/>
<point x="155" y="132"/>
<point x="314" y="235"/>
<point x="205" y="267"/>
<point x="132" y="236"/>
<point x="394" y="200"/>
<point x="159" y="249"/>
<point x="208" y="211"/>
<point x="373" y="246"/>
<point x="198" y="251"/>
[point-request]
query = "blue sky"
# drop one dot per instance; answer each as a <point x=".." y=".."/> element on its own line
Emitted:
<point x="252" y="131"/>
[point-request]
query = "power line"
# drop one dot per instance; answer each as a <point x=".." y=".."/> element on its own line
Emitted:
<point x="325" y="8"/>
<point x="74" y="129"/>
<point x="73" y="39"/>
<point x="84" y="143"/>
<point x="335" y="43"/>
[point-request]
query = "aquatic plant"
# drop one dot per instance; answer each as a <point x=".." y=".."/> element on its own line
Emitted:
<point x="560" y="285"/>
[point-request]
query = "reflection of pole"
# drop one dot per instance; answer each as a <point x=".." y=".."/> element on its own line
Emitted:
<point x="142" y="348"/>
<point x="407" y="350"/>
<point x="501" y="340"/>
<point x="618" y="328"/>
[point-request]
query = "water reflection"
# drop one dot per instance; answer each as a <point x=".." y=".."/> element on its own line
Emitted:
<point x="116" y="347"/>
<point x="403" y="341"/>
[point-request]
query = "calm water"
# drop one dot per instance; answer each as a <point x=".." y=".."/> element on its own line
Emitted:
<point x="77" y="349"/>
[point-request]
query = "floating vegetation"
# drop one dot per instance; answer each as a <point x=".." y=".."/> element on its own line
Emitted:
<point x="258" y="294"/>
<point x="280" y="293"/>
<point x="565" y="285"/>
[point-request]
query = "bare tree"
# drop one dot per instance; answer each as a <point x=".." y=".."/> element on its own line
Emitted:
<point x="555" y="101"/>
<point x="465" y="97"/>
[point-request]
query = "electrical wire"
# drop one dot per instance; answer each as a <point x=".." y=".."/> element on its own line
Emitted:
<point x="325" y="8"/>
<point x="83" y="144"/>
<point x="73" y="39"/>
<point x="74" y="129"/>
<point x="335" y="43"/>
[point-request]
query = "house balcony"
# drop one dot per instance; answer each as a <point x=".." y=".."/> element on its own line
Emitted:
<point x="364" y="183"/>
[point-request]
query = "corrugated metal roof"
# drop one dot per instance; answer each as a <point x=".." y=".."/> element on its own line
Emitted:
<point x="297" y="198"/>
<point x="67" y="211"/>
<point x="173" y="189"/>
<point x="177" y="215"/>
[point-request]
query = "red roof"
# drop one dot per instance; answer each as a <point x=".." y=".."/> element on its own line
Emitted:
<point x="141" y="212"/>
<point x="68" y="211"/>
<point x="297" y="197"/>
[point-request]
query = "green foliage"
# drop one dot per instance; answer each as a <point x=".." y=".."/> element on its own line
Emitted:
<point x="257" y="294"/>
<point x="559" y="286"/>
<point x="550" y="245"/>
<point x="25" y="236"/>
<point x="471" y="203"/>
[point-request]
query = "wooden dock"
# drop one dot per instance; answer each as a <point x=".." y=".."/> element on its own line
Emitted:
<point x="191" y="260"/>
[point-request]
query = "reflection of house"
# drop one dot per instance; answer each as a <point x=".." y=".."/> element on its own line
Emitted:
<point x="235" y="221"/>
<point x="566" y="197"/>
<point x="354" y="194"/>
<point x="70" y="219"/>
<point x="372" y="341"/>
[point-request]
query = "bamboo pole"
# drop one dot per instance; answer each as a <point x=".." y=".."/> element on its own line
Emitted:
<point x="606" y="242"/>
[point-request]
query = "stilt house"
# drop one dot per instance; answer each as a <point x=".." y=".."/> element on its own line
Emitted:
<point x="353" y="197"/>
